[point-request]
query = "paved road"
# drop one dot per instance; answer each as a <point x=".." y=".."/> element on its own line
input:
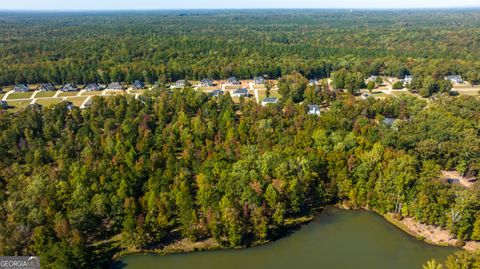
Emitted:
<point x="6" y="95"/>
<point x="252" y="87"/>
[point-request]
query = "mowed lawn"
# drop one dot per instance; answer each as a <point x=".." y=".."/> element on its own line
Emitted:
<point x="45" y="94"/>
<point x="466" y="90"/>
<point x="263" y="93"/>
<point x="48" y="101"/>
<point x="92" y="93"/>
<point x="275" y="93"/>
<point x="19" y="95"/>
<point x="67" y="94"/>
<point x="77" y="101"/>
<point x="18" y="105"/>
<point x="113" y="92"/>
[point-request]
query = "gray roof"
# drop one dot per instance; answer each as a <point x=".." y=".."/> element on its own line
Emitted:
<point x="233" y="80"/>
<point x="138" y="84"/>
<point x="21" y="87"/>
<point x="46" y="87"/>
<point x="270" y="100"/>
<point x="311" y="107"/>
<point x="388" y="121"/>
<point x="454" y="77"/>
<point x="216" y="92"/>
<point x="115" y="85"/>
<point x="92" y="86"/>
<point x="241" y="90"/>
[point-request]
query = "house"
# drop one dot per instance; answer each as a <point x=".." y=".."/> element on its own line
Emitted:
<point x="372" y="78"/>
<point x="35" y="106"/>
<point x="46" y="87"/>
<point x="233" y="81"/>
<point x="93" y="87"/>
<point x="407" y="80"/>
<point x="87" y="104"/>
<point x="206" y="82"/>
<point x="269" y="100"/>
<point x="455" y="79"/>
<point x="115" y="86"/>
<point x="21" y="88"/>
<point x="180" y="84"/>
<point x="69" y="88"/>
<point x="138" y="85"/>
<point x="216" y="93"/>
<point x="240" y="92"/>
<point x="313" y="82"/>
<point x="388" y="121"/>
<point x="3" y="104"/>
<point x="259" y="80"/>
<point x="314" y="110"/>
<point x="69" y="105"/>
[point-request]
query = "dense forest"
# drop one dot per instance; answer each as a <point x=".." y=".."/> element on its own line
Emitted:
<point x="166" y="46"/>
<point x="185" y="163"/>
<point x="181" y="164"/>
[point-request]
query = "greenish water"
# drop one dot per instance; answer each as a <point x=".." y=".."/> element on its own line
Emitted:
<point x="335" y="239"/>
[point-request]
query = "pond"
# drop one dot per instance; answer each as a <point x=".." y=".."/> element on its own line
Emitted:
<point x="334" y="239"/>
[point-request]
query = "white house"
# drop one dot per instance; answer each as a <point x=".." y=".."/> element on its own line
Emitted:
<point x="180" y="84"/>
<point x="313" y="82"/>
<point x="455" y="79"/>
<point x="371" y="78"/>
<point x="407" y="80"/>
<point x="314" y="110"/>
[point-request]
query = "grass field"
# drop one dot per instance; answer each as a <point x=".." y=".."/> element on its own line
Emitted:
<point x="115" y="92"/>
<point x="19" y="95"/>
<point x="92" y="93"/>
<point x="77" y="101"/>
<point x="466" y="90"/>
<point x="18" y="105"/>
<point x="208" y="89"/>
<point x="67" y="94"/>
<point x="48" y="102"/>
<point x="262" y="94"/>
<point x="275" y="93"/>
<point x="45" y="94"/>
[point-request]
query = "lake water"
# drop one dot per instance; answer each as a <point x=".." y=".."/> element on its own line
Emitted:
<point x="335" y="239"/>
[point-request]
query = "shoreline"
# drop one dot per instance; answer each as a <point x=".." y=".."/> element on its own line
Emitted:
<point x="429" y="234"/>
<point x="185" y="245"/>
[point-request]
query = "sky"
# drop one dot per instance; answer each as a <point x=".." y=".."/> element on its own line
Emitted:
<point x="226" y="4"/>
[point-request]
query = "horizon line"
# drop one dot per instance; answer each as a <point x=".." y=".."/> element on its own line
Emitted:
<point x="237" y="8"/>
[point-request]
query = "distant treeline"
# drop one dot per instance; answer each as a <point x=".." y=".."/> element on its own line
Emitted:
<point x="166" y="46"/>
<point x="186" y="165"/>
